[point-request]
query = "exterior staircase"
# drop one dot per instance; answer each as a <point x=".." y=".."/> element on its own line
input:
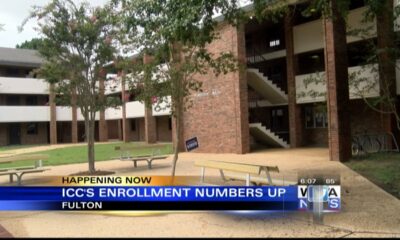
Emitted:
<point x="264" y="135"/>
<point x="265" y="87"/>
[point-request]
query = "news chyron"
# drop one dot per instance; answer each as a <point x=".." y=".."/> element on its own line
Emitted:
<point x="320" y="189"/>
<point x="318" y="193"/>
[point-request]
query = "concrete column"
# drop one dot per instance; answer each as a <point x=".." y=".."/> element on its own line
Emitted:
<point x="74" y="123"/>
<point x="125" y="127"/>
<point x="103" y="130"/>
<point x="119" y="124"/>
<point x="295" y="118"/>
<point x="150" y="124"/>
<point x="336" y="68"/>
<point x="53" y="116"/>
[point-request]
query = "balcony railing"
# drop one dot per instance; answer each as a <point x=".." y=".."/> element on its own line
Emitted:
<point x="24" y="113"/>
<point x="363" y="83"/>
<point x="11" y="85"/>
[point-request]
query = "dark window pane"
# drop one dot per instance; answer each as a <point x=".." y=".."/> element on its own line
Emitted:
<point x="133" y="124"/>
<point x="32" y="129"/>
<point x="31" y="101"/>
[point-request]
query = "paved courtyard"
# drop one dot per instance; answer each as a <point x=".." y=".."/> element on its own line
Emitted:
<point x="367" y="211"/>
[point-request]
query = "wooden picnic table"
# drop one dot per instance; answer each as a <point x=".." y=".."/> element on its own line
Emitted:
<point x="251" y="173"/>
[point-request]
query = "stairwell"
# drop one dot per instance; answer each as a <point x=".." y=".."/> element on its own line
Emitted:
<point x="273" y="96"/>
<point x="265" y="87"/>
<point x="261" y="133"/>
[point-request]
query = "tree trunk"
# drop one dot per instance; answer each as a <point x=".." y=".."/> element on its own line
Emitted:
<point x="177" y="140"/>
<point x="176" y="57"/>
<point x="387" y="61"/>
<point x="89" y="129"/>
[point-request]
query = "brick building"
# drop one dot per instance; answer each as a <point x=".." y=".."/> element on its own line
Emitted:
<point x="30" y="116"/>
<point x="272" y="102"/>
<point x="268" y="102"/>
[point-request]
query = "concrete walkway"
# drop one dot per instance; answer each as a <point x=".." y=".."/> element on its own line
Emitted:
<point x="367" y="211"/>
<point x="4" y="233"/>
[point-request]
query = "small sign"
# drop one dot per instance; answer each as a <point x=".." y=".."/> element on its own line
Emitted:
<point x="192" y="144"/>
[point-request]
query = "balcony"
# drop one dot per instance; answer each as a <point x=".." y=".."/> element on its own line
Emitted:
<point x="312" y="87"/>
<point x="24" y="114"/>
<point x="310" y="36"/>
<point x="134" y="109"/>
<point x="113" y="113"/>
<point x="163" y="109"/>
<point x="10" y="85"/>
<point x="64" y="113"/>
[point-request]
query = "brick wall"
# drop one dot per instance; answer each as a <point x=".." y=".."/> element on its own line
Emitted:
<point x="40" y="138"/>
<point x="112" y="126"/>
<point x="219" y="117"/>
<point x="164" y="133"/>
<point x="3" y="134"/>
<point x="64" y="132"/>
<point x="134" y="134"/>
<point x="141" y="128"/>
<point x="363" y="119"/>
<point x="317" y="137"/>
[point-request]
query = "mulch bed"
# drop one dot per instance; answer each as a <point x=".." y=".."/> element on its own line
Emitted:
<point x="4" y="233"/>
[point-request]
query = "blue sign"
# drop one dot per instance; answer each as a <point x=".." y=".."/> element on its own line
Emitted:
<point x="192" y="144"/>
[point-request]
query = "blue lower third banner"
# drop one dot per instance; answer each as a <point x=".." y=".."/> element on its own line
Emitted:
<point x="151" y="198"/>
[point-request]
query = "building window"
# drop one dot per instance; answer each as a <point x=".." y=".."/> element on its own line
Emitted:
<point x="316" y="117"/>
<point x="12" y="100"/>
<point x="32" y="129"/>
<point x="133" y="125"/>
<point x="274" y="43"/>
<point x="31" y="101"/>
<point x="170" y="123"/>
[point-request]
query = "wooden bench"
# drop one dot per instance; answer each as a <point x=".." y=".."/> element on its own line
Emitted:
<point x="22" y="170"/>
<point x="125" y="154"/>
<point x="251" y="173"/>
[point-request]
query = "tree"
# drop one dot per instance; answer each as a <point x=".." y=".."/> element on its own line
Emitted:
<point x="77" y="43"/>
<point x="175" y="34"/>
<point x="34" y="43"/>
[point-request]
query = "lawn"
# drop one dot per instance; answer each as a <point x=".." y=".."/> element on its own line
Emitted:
<point x="78" y="154"/>
<point x="383" y="169"/>
<point x="14" y="147"/>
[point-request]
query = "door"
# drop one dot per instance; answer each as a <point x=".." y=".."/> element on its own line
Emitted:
<point x="14" y="133"/>
<point x="280" y="122"/>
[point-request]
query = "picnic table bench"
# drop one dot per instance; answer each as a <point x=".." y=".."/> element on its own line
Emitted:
<point x="22" y="170"/>
<point x="125" y="154"/>
<point x="251" y="173"/>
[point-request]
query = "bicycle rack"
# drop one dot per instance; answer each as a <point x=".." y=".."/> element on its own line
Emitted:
<point x="365" y="143"/>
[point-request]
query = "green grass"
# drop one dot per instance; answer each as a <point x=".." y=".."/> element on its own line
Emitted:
<point x="14" y="147"/>
<point x="78" y="154"/>
<point x="383" y="169"/>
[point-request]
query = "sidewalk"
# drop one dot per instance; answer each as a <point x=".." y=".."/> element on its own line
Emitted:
<point x="4" y="233"/>
<point x="367" y="211"/>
